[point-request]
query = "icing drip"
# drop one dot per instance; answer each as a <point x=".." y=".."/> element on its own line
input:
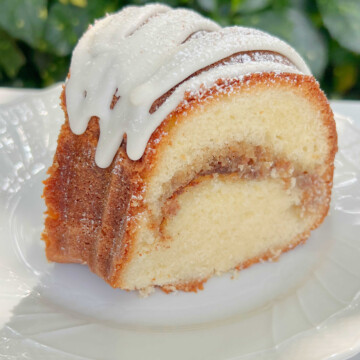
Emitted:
<point x="128" y="60"/>
<point x="236" y="58"/>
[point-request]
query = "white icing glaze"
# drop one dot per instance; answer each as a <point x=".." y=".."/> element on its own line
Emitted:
<point x="139" y="54"/>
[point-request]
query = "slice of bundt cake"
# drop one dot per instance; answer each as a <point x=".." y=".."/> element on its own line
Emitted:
<point x="187" y="150"/>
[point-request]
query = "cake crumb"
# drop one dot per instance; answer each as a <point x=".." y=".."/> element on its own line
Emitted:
<point x="145" y="292"/>
<point x="234" y="274"/>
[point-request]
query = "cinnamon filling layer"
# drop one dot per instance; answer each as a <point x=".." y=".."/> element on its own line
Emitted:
<point x="247" y="161"/>
<point x="242" y="161"/>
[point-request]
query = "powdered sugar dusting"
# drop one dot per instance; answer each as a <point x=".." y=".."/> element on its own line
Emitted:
<point x="141" y="53"/>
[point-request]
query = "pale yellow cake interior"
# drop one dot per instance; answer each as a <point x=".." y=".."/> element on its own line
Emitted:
<point x="225" y="220"/>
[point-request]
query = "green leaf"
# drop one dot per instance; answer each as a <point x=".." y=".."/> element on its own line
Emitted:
<point x="345" y="77"/>
<point x="11" y="59"/>
<point x="24" y="19"/>
<point x="208" y="5"/>
<point x="248" y="6"/>
<point x="299" y="4"/>
<point x="295" y="28"/>
<point x="66" y="23"/>
<point x="339" y="55"/>
<point x="51" y="68"/>
<point x="342" y="19"/>
<point x="97" y="9"/>
<point x="172" y="3"/>
<point x="79" y="3"/>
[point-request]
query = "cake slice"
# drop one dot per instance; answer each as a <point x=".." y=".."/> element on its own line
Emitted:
<point x="188" y="150"/>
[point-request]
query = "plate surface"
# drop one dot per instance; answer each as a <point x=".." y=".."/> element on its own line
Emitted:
<point x="305" y="306"/>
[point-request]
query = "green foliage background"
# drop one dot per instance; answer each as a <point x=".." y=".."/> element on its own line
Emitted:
<point x="37" y="36"/>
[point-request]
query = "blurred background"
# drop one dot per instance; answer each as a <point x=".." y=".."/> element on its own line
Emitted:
<point x="37" y="36"/>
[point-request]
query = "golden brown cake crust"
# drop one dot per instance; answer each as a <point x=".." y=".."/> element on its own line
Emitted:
<point x="111" y="198"/>
<point x="75" y="187"/>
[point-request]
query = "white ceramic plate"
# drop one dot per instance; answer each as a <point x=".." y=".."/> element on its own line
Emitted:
<point x="305" y="306"/>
